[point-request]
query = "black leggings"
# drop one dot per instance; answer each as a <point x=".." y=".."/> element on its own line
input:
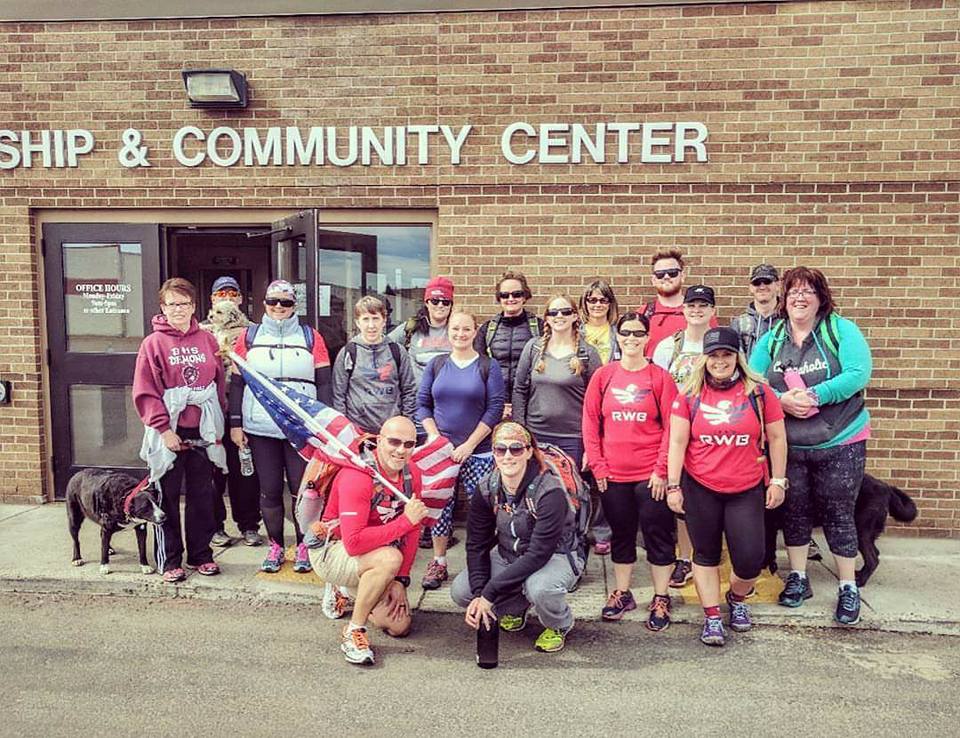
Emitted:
<point x="713" y="515"/>
<point x="628" y="505"/>
<point x="824" y="484"/>
<point x="271" y="458"/>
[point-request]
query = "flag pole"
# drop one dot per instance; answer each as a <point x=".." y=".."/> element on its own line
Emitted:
<point x="315" y="427"/>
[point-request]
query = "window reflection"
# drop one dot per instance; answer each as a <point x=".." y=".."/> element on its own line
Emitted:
<point x="104" y="426"/>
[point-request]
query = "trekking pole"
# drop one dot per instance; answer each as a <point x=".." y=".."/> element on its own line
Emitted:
<point x="314" y="426"/>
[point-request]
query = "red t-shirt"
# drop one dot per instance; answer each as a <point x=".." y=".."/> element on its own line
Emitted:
<point x="626" y="420"/>
<point x="664" y="322"/>
<point x="364" y="528"/>
<point x="723" y="453"/>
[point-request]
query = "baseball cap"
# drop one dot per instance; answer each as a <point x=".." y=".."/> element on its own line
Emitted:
<point x="700" y="292"/>
<point x="438" y="287"/>
<point x="721" y="338"/>
<point x="225" y="283"/>
<point x="765" y="271"/>
<point x="281" y="286"/>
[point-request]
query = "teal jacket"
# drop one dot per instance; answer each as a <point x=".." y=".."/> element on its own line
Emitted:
<point x="838" y="379"/>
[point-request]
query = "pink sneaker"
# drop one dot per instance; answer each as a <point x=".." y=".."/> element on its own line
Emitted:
<point x="601" y="548"/>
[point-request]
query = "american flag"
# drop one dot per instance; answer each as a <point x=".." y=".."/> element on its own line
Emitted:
<point x="295" y="413"/>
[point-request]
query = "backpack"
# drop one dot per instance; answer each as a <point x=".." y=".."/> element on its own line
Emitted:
<point x="677" y="348"/>
<point x="557" y="462"/>
<point x="827" y="328"/>
<point x="582" y="356"/>
<point x="251" y="334"/>
<point x="494" y="323"/>
<point x="483" y="365"/>
<point x="351" y="349"/>
<point x="409" y="328"/>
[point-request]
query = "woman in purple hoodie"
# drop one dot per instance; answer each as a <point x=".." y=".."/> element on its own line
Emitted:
<point x="178" y="390"/>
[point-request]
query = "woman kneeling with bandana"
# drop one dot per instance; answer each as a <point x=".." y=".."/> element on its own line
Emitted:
<point x="520" y="528"/>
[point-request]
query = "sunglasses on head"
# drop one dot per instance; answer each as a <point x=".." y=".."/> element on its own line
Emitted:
<point x="398" y="442"/>
<point x="514" y="449"/>
<point x="665" y="273"/>
<point x="516" y="295"/>
<point x="597" y="301"/>
<point x="636" y="334"/>
<point x="439" y="301"/>
<point x="762" y="280"/>
<point x="281" y="301"/>
<point x="565" y="312"/>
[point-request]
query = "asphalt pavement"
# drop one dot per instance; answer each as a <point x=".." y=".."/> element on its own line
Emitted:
<point x="915" y="589"/>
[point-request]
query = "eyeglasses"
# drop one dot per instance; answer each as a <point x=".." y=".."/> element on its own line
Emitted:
<point x="794" y="294"/>
<point x="282" y="302"/>
<point x="439" y="301"/>
<point x="516" y="295"/>
<point x="597" y="301"/>
<point x="226" y="293"/>
<point x="666" y="273"/>
<point x="764" y="281"/>
<point x="565" y="312"/>
<point x="398" y="442"/>
<point x="514" y="449"/>
<point x="636" y="334"/>
<point x="177" y="305"/>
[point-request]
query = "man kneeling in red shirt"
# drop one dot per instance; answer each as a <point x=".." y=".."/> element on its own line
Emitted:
<point x="372" y="542"/>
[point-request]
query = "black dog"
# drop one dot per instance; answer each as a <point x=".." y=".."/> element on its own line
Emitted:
<point x="875" y="500"/>
<point x="113" y="501"/>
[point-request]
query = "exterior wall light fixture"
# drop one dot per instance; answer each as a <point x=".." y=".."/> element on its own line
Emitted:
<point x="215" y="88"/>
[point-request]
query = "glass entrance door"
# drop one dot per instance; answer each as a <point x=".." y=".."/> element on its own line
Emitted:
<point x="101" y="293"/>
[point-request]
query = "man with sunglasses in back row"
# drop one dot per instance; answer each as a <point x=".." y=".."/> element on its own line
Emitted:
<point x="763" y="311"/>
<point x="665" y="313"/>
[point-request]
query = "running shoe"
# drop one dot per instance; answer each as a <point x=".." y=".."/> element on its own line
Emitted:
<point x="552" y="640"/>
<point x="813" y="552"/>
<point x="513" y="623"/>
<point x="334" y="602"/>
<point x="712" y="633"/>
<point x="172" y="576"/>
<point x="274" y="560"/>
<point x="795" y="591"/>
<point x="619" y="602"/>
<point x="848" y="606"/>
<point x="682" y="573"/>
<point x="252" y="538"/>
<point x="659" y="618"/>
<point x="601" y="548"/>
<point x="435" y="576"/>
<point x="301" y="564"/>
<point x="220" y="539"/>
<point x="207" y="569"/>
<point x="426" y="538"/>
<point x="739" y="615"/>
<point x="356" y="646"/>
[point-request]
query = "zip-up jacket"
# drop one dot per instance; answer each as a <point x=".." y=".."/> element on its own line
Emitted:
<point x="507" y="344"/>
<point x="751" y="326"/>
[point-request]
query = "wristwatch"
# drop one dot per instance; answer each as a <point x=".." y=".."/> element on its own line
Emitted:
<point x="405" y="581"/>
<point x="673" y="488"/>
<point x="781" y="482"/>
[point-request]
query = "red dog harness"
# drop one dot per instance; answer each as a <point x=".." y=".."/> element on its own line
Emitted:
<point x="128" y="500"/>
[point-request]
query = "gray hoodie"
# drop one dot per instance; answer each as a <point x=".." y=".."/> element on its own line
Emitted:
<point x="751" y="326"/>
<point x="373" y="390"/>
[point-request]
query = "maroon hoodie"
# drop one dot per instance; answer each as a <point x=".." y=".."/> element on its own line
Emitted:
<point x="168" y="358"/>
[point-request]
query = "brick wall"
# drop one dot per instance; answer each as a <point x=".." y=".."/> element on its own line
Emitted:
<point x="833" y="142"/>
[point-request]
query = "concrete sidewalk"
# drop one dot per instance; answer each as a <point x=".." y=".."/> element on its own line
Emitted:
<point x="915" y="589"/>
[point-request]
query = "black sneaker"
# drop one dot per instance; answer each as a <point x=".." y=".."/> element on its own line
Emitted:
<point x="848" y="606"/>
<point x="682" y="573"/>
<point x="813" y="551"/>
<point x="659" y="618"/>
<point x="795" y="591"/>
<point x="426" y="538"/>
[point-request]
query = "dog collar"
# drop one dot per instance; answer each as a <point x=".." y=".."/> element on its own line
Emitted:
<point x="128" y="500"/>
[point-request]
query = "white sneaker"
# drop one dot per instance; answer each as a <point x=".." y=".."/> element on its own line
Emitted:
<point x="335" y="601"/>
<point x="355" y="646"/>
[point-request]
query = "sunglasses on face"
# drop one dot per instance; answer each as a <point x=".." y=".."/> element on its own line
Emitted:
<point x="439" y="301"/>
<point x="514" y="449"/>
<point x="636" y="334"/>
<point x="597" y="301"/>
<point x="516" y="295"/>
<point x="282" y="302"/>
<point x="565" y="312"/>
<point x="764" y="281"/>
<point x="666" y="273"/>
<point x="398" y="442"/>
<point x="226" y="293"/>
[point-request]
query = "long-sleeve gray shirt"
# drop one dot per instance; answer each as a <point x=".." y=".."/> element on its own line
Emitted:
<point x="551" y="402"/>
<point x="374" y="389"/>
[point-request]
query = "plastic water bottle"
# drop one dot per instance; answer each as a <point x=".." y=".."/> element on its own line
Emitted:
<point x="246" y="461"/>
<point x="793" y="380"/>
<point x="488" y="645"/>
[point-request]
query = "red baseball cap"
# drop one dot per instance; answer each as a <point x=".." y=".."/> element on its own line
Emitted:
<point x="438" y="287"/>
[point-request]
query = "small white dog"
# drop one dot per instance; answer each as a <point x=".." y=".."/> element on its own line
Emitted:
<point x="226" y="321"/>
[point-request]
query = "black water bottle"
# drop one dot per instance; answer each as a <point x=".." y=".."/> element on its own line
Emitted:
<point x="488" y="644"/>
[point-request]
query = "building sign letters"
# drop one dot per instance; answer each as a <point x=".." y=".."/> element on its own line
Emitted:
<point x="521" y="143"/>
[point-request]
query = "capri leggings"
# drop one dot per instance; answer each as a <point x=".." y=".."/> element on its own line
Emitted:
<point x="824" y="484"/>
<point x="628" y="505"/>
<point x="473" y="469"/>
<point x="712" y="515"/>
<point x="271" y="458"/>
